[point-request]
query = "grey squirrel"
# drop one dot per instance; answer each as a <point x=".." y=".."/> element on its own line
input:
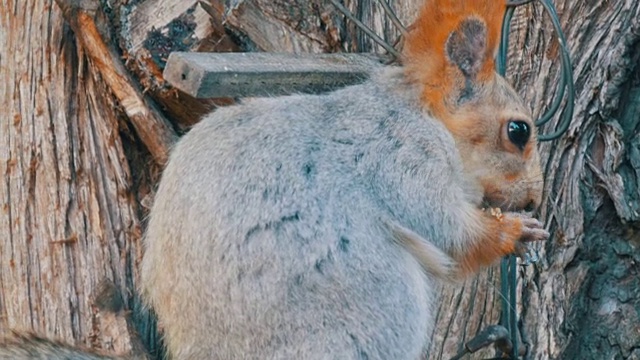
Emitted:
<point x="317" y="226"/>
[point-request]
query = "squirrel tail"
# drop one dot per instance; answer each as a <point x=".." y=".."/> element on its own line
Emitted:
<point x="30" y="346"/>
<point x="433" y="260"/>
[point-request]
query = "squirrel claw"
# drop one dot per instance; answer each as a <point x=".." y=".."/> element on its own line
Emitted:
<point x="532" y="229"/>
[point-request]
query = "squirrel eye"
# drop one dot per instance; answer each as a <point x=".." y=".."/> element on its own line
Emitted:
<point x="519" y="133"/>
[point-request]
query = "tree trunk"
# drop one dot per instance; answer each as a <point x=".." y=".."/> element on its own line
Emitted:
<point x="68" y="220"/>
<point x="79" y="166"/>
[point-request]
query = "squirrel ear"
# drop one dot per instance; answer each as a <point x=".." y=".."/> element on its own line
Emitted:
<point x="466" y="46"/>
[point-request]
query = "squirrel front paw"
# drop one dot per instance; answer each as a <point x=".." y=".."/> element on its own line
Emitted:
<point x="498" y="234"/>
<point x="533" y="230"/>
<point x="520" y="229"/>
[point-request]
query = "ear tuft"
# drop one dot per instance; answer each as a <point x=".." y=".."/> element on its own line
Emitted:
<point x="466" y="47"/>
<point x="450" y="50"/>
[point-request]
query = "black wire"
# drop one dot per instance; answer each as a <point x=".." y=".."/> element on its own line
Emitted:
<point x="504" y="289"/>
<point x="513" y="279"/>
<point x="508" y="265"/>
<point x="392" y="15"/>
<point x="504" y="41"/>
<point x="507" y="281"/>
<point x="365" y="29"/>
<point x="508" y="268"/>
<point x="557" y="100"/>
<point x="567" y="74"/>
<point x="566" y="84"/>
<point x="555" y="105"/>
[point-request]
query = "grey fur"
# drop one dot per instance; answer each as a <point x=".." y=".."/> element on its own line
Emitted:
<point x="32" y="347"/>
<point x="267" y="238"/>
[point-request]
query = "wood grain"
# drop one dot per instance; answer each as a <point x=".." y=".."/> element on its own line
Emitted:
<point x="208" y="75"/>
<point x="68" y="219"/>
<point x="157" y="15"/>
<point x="154" y="130"/>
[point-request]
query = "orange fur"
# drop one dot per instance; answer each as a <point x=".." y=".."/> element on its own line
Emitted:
<point x="497" y="239"/>
<point x="425" y="58"/>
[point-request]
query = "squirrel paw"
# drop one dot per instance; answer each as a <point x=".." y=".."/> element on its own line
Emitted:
<point x="532" y="228"/>
<point x="519" y="229"/>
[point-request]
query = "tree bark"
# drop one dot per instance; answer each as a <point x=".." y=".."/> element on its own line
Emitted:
<point x="69" y="219"/>
<point x="583" y="300"/>
<point x="78" y="176"/>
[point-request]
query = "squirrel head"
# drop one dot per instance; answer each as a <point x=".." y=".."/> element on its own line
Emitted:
<point x="449" y="54"/>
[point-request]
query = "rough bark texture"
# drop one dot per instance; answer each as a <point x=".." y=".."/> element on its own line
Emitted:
<point x="313" y="25"/>
<point x="71" y="206"/>
<point x="583" y="301"/>
<point x="69" y="219"/>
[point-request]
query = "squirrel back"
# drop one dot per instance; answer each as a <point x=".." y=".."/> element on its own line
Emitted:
<point x="270" y="223"/>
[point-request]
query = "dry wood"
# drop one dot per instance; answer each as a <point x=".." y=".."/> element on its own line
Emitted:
<point x="156" y="15"/>
<point x="154" y="130"/>
<point x="153" y="29"/>
<point x="302" y="26"/>
<point x="68" y="218"/>
<point x="204" y="75"/>
<point x="583" y="301"/>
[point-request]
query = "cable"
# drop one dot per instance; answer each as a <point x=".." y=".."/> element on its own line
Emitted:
<point x="365" y="29"/>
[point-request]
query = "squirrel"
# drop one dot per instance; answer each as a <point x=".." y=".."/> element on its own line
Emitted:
<point x="315" y="226"/>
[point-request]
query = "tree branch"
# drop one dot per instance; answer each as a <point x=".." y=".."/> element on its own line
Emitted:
<point x="153" y="129"/>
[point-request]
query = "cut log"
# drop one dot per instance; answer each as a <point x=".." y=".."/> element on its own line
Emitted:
<point x="210" y="75"/>
<point x="153" y="29"/>
<point x="169" y="18"/>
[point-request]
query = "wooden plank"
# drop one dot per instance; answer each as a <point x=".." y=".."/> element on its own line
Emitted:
<point x="208" y="75"/>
